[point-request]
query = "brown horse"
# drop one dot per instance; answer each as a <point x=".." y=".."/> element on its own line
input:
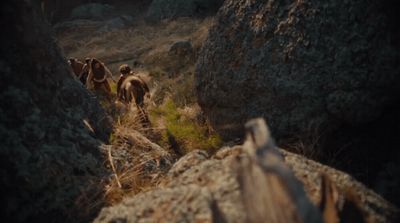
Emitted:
<point x="77" y="67"/>
<point x="133" y="88"/>
<point x="97" y="77"/>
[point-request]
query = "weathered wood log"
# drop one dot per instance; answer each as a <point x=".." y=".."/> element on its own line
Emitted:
<point x="271" y="192"/>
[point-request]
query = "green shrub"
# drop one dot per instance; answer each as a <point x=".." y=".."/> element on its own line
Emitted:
<point x="187" y="133"/>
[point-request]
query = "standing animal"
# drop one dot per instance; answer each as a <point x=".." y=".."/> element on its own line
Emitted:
<point x="97" y="76"/>
<point x="124" y="71"/>
<point x="131" y="87"/>
<point x="80" y="69"/>
<point x="77" y="67"/>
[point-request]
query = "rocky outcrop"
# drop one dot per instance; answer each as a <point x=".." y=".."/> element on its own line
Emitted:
<point x="309" y="171"/>
<point x="50" y="126"/>
<point x="322" y="73"/>
<point x="163" y="207"/>
<point x="168" y="9"/>
<point x="182" y="48"/>
<point x="303" y="65"/>
<point x="209" y="190"/>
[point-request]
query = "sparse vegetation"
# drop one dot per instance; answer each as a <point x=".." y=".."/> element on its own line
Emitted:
<point x="140" y="41"/>
<point x="183" y="129"/>
<point x="136" y="160"/>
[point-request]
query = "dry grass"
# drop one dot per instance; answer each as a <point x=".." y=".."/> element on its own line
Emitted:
<point x="309" y="145"/>
<point x="136" y="162"/>
<point x="140" y="41"/>
<point x="184" y="128"/>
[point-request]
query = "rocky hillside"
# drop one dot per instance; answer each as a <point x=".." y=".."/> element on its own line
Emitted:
<point x="69" y="155"/>
<point x="51" y="128"/>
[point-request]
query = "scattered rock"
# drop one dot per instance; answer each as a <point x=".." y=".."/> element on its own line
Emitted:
<point x="180" y="204"/>
<point x="191" y="159"/>
<point x="167" y="9"/>
<point x="181" y="48"/>
<point x="93" y="11"/>
<point x="228" y="151"/>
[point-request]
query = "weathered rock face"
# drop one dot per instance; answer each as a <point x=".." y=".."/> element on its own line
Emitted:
<point x="206" y="190"/>
<point x="323" y="73"/>
<point x="306" y="64"/>
<point x="50" y="125"/>
<point x="163" y="207"/>
<point x="209" y="190"/>
<point x="167" y="9"/>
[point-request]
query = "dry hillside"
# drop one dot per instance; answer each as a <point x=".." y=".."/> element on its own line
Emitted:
<point x="265" y="111"/>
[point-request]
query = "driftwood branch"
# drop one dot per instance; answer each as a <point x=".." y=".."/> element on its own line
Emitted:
<point x="271" y="192"/>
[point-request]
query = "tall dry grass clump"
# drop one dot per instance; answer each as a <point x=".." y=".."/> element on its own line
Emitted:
<point x="137" y="163"/>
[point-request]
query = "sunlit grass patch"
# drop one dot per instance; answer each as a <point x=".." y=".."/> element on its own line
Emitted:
<point x="113" y="88"/>
<point x="186" y="133"/>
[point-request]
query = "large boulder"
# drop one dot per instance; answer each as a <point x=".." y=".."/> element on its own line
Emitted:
<point x="326" y="73"/>
<point x="209" y="190"/>
<point x="51" y="128"/>
<point x="167" y="9"/>
<point x="298" y="64"/>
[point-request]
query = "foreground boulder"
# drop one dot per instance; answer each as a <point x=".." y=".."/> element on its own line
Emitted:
<point x="98" y="27"/>
<point x="255" y="182"/>
<point x="50" y="126"/>
<point x="210" y="190"/>
<point x="169" y="9"/>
